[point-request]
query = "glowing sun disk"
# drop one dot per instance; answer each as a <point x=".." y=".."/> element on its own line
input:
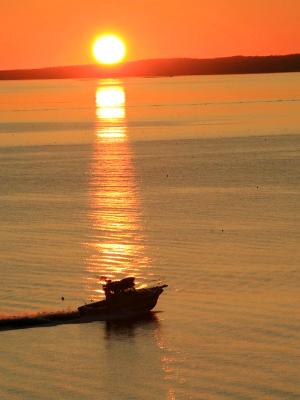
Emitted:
<point x="109" y="49"/>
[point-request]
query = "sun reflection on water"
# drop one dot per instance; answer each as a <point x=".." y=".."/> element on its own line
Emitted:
<point x="116" y="247"/>
<point x="110" y="103"/>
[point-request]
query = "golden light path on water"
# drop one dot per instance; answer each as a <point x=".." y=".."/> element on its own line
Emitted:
<point x="116" y="247"/>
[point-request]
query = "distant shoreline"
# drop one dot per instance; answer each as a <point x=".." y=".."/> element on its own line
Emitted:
<point x="164" y="68"/>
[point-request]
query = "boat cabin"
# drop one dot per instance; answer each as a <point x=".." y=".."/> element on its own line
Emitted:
<point x="117" y="287"/>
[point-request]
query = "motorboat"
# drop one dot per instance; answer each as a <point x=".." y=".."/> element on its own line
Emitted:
<point x="122" y="300"/>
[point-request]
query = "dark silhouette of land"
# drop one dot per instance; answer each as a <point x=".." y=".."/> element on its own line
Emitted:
<point x="165" y="67"/>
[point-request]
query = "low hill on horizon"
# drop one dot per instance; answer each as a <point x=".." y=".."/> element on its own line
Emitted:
<point x="164" y="67"/>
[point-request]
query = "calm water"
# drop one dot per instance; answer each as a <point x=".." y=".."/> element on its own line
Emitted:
<point x="192" y="181"/>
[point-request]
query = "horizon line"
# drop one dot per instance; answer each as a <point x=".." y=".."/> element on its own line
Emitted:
<point x="111" y="66"/>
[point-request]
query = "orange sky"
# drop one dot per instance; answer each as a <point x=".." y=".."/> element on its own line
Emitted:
<point x="36" y="33"/>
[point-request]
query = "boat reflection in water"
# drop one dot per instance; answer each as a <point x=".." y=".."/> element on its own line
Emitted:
<point x="116" y="246"/>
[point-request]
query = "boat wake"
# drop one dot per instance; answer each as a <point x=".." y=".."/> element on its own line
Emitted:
<point x="9" y="322"/>
<point x="48" y="319"/>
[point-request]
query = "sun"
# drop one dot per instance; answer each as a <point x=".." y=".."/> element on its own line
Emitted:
<point x="109" y="49"/>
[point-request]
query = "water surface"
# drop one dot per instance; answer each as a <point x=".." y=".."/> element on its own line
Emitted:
<point x="193" y="181"/>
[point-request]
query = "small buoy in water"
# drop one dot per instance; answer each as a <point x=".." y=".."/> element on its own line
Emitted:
<point x="62" y="298"/>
